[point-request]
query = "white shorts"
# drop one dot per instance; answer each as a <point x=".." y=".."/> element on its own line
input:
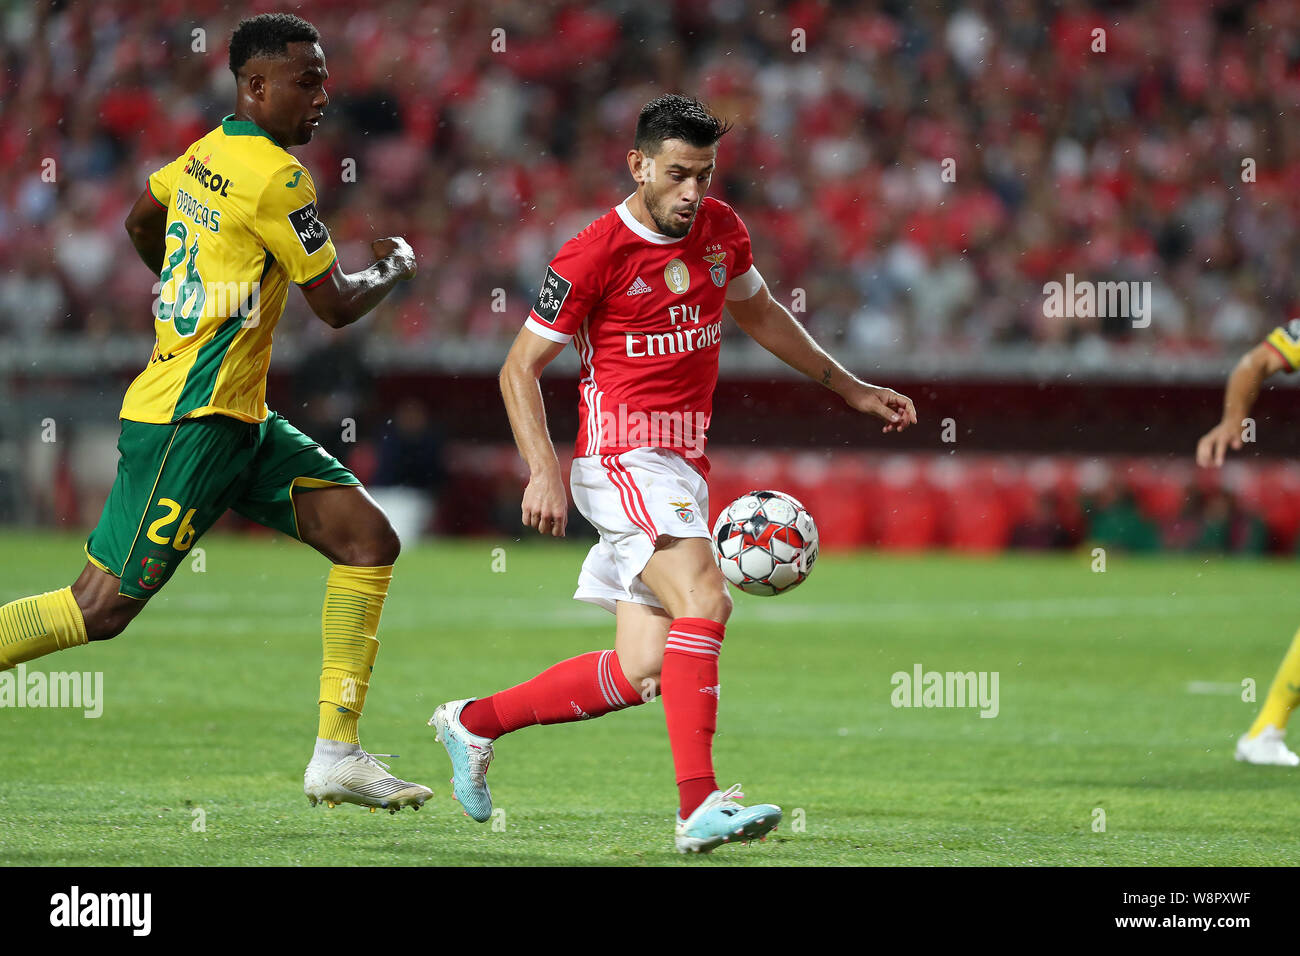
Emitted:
<point x="633" y="499"/>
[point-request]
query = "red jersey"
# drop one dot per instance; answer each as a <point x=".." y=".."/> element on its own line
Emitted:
<point x="644" y="311"/>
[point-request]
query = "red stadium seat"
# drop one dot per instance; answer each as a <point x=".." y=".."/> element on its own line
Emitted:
<point x="1278" y="497"/>
<point x="975" y="515"/>
<point x="977" y="522"/>
<point x="908" y="519"/>
<point x="1162" y="495"/>
<point x="906" y="510"/>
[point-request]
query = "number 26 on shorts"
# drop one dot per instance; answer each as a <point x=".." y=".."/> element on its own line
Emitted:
<point x="158" y="530"/>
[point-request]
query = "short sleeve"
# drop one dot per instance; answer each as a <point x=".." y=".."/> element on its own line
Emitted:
<point x="567" y="295"/>
<point x="745" y="280"/>
<point x="161" y="184"/>
<point x="291" y="228"/>
<point x="1285" y="340"/>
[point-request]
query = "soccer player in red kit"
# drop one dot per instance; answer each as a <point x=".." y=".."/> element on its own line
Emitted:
<point x="640" y="293"/>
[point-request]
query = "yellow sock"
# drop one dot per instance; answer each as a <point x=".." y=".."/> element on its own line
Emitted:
<point x="354" y="599"/>
<point x="1284" y="694"/>
<point x="32" y="627"/>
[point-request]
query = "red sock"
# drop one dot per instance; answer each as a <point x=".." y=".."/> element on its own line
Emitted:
<point x="590" y="685"/>
<point x="688" y="684"/>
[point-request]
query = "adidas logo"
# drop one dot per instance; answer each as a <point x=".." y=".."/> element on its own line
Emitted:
<point x="714" y="691"/>
<point x="639" y="287"/>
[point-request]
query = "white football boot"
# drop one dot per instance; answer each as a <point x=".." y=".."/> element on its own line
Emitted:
<point x="1266" y="747"/>
<point x="357" y="777"/>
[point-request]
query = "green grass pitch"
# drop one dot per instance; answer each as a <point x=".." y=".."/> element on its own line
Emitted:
<point x="1119" y="693"/>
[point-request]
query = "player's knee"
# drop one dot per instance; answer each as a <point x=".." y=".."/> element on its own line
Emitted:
<point x="378" y="548"/>
<point x="387" y="547"/>
<point x="725" y="606"/>
<point x="712" y="605"/>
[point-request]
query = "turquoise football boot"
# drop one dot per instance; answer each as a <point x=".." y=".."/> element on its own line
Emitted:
<point x="470" y="755"/>
<point x="719" y="820"/>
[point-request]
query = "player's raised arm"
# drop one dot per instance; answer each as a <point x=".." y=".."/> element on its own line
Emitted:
<point x="546" y="503"/>
<point x="146" y="224"/>
<point x="340" y="299"/>
<point x="1239" y="397"/>
<point x="772" y="326"/>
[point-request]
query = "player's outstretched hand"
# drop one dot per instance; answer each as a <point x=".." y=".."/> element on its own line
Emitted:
<point x="1214" y="444"/>
<point x="896" y="410"/>
<point x="399" y="250"/>
<point x="546" y="504"/>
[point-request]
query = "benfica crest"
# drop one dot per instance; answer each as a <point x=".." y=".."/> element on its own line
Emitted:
<point x="717" y="272"/>
<point x="684" y="510"/>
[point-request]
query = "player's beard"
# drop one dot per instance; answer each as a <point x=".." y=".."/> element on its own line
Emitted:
<point x="663" y="217"/>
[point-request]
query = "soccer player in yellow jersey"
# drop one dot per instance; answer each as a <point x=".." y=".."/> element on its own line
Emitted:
<point x="1265" y="742"/>
<point x="227" y="227"/>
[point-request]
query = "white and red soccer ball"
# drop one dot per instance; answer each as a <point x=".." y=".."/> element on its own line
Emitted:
<point x="765" y="542"/>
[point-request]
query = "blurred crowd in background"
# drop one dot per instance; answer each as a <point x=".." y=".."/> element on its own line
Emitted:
<point x="1125" y="164"/>
<point x="911" y="174"/>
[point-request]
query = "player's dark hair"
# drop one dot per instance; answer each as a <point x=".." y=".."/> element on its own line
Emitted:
<point x="674" y="116"/>
<point x="268" y="34"/>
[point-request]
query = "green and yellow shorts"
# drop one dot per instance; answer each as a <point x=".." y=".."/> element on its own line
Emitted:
<point x="174" y="481"/>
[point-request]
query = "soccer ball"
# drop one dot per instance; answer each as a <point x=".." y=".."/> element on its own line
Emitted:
<point x="765" y="542"/>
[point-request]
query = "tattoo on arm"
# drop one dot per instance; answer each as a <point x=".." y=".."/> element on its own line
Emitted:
<point x="826" y="377"/>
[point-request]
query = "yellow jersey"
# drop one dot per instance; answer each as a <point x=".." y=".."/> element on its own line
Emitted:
<point x="1285" y="340"/>
<point x="241" y="225"/>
